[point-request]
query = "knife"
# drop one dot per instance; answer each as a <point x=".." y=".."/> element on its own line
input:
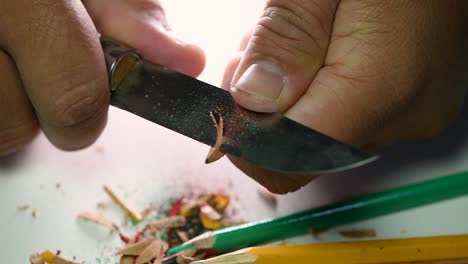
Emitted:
<point x="187" y="106"/>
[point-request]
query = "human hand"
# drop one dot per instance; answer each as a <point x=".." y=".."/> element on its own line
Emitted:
<point x="52" y="65"/>
<point x="367" y="72"/>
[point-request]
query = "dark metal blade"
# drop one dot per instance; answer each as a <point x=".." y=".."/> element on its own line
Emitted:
<point x="183" y="104"/>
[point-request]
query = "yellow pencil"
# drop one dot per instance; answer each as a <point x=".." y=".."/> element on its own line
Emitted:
<point x="434" y="250"/>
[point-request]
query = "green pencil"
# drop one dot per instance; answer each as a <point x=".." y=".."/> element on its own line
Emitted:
<point x="373" y="205"/>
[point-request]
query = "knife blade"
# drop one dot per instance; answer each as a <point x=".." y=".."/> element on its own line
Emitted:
<point x="185" y="105"/>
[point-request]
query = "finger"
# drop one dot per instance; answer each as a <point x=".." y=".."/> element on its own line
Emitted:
<point x="61" y="65"/>
<point x="286" y="50"/>
<point x="234" y="62"/>
<point x="18" y="124"/>
<point x="230" y="70"/>
<point x="280" y="183"/>
<point x="143" y="25"/>
<point x="369" y="93"/>
<point x="245" y="40"/>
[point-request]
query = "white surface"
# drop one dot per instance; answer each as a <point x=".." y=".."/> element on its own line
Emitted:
<point x="148" y="164"/>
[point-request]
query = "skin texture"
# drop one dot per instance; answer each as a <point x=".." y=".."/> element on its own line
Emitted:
<point x="52" y="70"/>
<point x="368" y="72"/>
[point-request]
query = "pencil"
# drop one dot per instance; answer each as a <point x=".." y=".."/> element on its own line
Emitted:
<point x="373" y="205"/>
<point x="440" y="250"/>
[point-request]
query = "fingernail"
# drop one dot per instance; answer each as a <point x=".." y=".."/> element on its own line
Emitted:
<point x="260" y="86"/>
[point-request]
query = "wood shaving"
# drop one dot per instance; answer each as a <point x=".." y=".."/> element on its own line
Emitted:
<point x="135" y="215"/>
<point x="185" y="256"/>
<point x="22" y="208"/>
<point x="135" y="249"/>
<point x="191" y="255"/>
<point x="267" y="196"/>
<point x="148" y="212"/>
<point x="36" y="259"/>
<point x="317" y="232"/>
<point x="209" y="223"/>
<point x="219" y="201"/>
<point x="210" y="212"/>
<point x="215" y="152"/>
<point x="126" y="220"/>
<point x="167" y="222"/>
<point x="60" y="260"/>
<point x="98" y="219"/>
<point x="192" y="206"/>
<point x="183" y="235"/>
<point x="101" y="206"/>
<point x="359" y="233"/>
<point x="155" y="250"/>
<point x="127" y="260"/>
<point x="49" y="258"/>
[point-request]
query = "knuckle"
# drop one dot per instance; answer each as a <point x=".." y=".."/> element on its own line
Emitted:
<point x="296" y="29"/>
<point x="16" y="137"/>
<point x="78" y="106"/>
<point x="299" y="20"/>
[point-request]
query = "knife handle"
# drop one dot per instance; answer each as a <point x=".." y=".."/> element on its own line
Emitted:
<point x="120" y="61"/>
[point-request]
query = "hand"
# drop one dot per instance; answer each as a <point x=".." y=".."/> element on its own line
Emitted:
<point x="367" y="72"/>
<point x="52" y="66"/>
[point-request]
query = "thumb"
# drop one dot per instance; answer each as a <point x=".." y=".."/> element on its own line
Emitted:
<point x="285" y="52"/>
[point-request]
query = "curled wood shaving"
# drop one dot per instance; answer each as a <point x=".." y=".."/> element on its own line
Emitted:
<point x="359" y="233"/>
<point x="135" y="215"/>
<point x="98" y="219"/>
<point x="167" y="222"/>
<point x="215" y="152"/>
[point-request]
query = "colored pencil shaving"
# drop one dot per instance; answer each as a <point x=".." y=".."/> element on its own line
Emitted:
<point x="358" y="233"/>
<point x="149" y="245"/>
<point x="215" y="152"/>
<point x="136" y="216"/>
<point x="167" y="222"/>
<point x="440" y="250"/>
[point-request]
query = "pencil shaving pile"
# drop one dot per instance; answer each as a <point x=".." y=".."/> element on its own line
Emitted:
<point x="185" y="219"/>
